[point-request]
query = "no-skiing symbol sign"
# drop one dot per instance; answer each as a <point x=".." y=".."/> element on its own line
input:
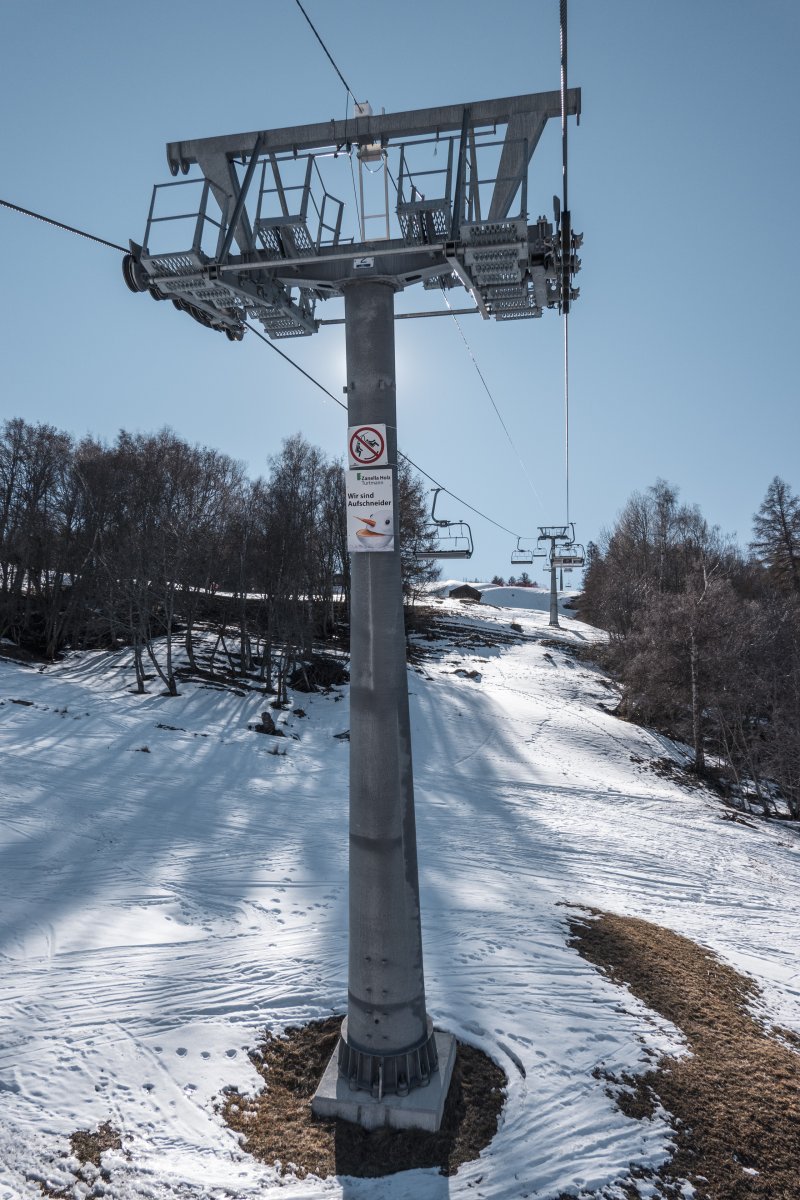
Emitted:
<point x="366" y="445"/>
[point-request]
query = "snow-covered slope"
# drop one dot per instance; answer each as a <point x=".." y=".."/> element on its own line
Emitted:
<point x="168" y="887"/>
<point x="521" y="597"/>
<point x="506" y="597"/>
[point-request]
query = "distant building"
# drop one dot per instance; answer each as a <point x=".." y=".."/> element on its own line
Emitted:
<point x="465" y="592"/>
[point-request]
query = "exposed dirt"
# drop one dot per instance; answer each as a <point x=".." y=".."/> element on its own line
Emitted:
<point x="277" y="1125"/>
<point x="735" y="1101"/>
<point x="684" y="776"/>
<point x="87" y="1145"/>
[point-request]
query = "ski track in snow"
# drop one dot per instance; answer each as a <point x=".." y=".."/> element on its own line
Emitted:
<point x="161" y="907"/>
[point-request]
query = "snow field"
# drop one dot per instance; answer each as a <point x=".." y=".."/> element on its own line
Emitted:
<point x="160" y="907"/>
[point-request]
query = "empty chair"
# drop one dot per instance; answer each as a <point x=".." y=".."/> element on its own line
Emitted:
<point x="520" y="557"/>
<point x="571" y="555"/>
<point x="445" y="539"/>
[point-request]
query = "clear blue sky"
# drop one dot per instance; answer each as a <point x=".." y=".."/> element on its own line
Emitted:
<point x="684" y="179"/>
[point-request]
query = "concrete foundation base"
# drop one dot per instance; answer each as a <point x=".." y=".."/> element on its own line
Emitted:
<point x="420" y="1109"/>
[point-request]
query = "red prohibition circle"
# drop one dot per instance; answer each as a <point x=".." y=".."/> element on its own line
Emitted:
<point x="372" y="454"/>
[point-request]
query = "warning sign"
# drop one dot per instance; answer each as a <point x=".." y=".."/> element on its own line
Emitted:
<point x="366" y="445"/>
<point x="370" y="510"/>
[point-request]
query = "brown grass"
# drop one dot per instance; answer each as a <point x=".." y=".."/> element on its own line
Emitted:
<point x="87" y="1145"/>
<point x="277" y="1125"/>
<point x="736" y="1101"/>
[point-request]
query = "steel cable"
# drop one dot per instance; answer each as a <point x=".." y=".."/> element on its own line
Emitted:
<point x="400" y="453"/>
<point x="492" y="399"/>
<point x="328" y="54"/>
<point x="91" y="237"/>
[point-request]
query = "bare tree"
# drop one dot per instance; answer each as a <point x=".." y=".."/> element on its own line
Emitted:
<point x="654" y="548"/>
<point x="36" y="510"/>
<point x="416" y="533"/>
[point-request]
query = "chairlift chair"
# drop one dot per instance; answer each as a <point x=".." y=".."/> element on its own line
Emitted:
<point x="520" y="557"/>
<point x="576" y="552"/>
<point x="456" y="544"/>
<point x="571" y="555"/>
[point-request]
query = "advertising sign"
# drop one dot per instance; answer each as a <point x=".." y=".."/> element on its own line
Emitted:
<point x="370" y="511"/>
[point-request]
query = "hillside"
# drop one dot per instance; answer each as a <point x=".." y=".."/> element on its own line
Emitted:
<point x="173" y="883"/>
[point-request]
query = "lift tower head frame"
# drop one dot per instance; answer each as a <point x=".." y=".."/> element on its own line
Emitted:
<point x="265" y="243"/>
<point x="260" y="248"/>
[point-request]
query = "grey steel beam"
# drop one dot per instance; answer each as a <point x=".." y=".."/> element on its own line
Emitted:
<point x="522" y="128"/>
<point x="240" y="203"/>
<point x="360" y="250"/>
<point x="461" y="174"/>
<point x="412" y="316"/>
<point x="220" y="173"/>
<point x="381" y="127"/>
<point x="461" y="271"/>
<point x="329" y="274"/>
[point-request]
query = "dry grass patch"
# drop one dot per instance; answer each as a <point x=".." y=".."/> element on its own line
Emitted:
<point x="736" y="1100"/>
<point x="277" y="1125"/>
<point x="87" y="1145"/>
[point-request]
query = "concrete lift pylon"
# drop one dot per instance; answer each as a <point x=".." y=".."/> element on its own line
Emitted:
<point x="264" y="250"/>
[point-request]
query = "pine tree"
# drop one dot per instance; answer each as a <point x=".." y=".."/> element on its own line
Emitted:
<point x="776" y="529"/>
